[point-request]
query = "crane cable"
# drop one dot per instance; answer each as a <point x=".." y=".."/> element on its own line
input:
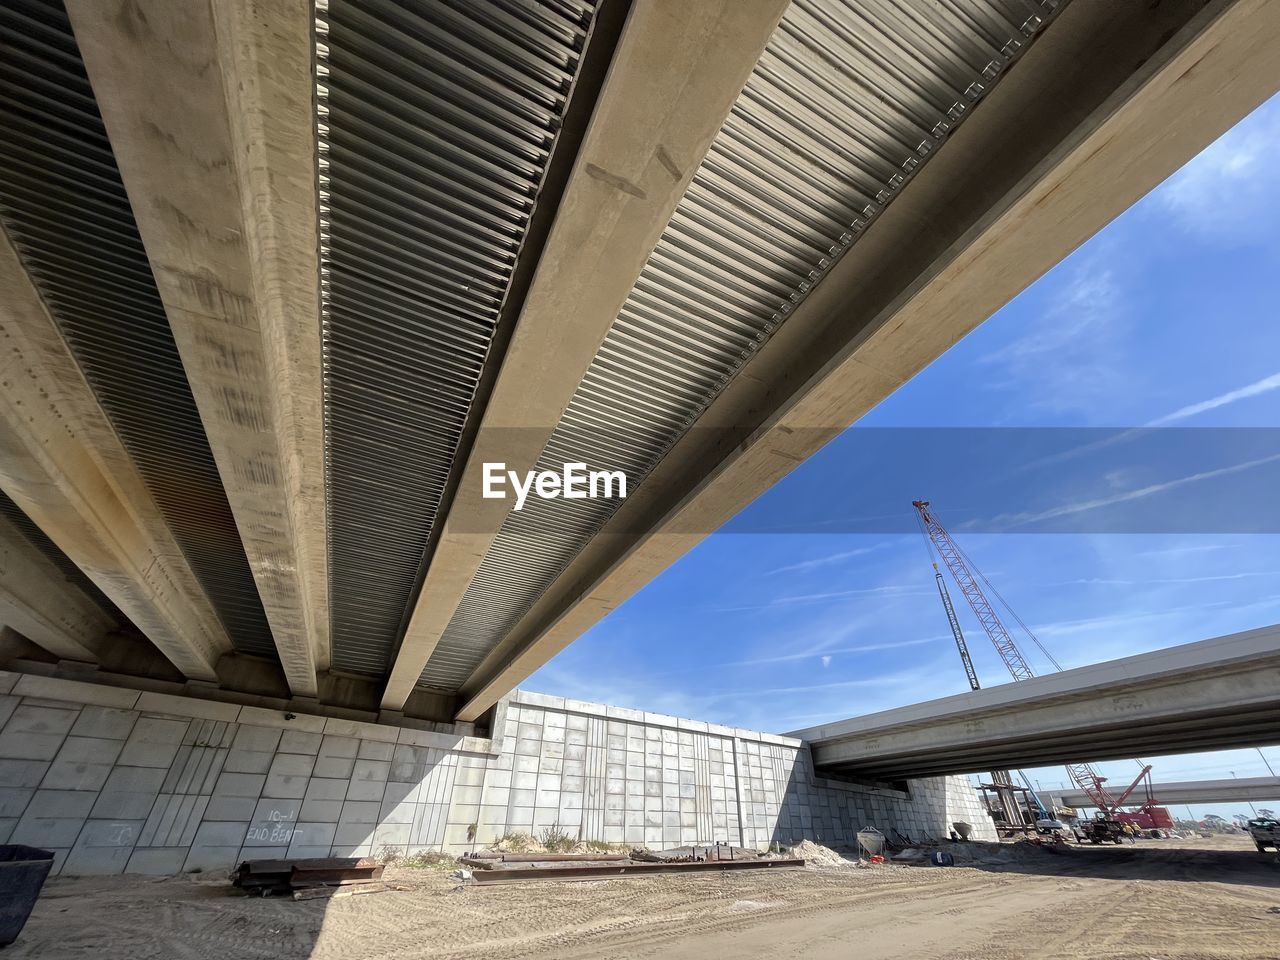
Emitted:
<point x="1005" y="603"/>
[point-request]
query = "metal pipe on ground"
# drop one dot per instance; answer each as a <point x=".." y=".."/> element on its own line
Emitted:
<point x="605" y="871"/>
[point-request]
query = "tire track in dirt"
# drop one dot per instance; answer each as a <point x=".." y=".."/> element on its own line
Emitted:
<point x="954" y="892"/>
<point x="1169" y="901"/>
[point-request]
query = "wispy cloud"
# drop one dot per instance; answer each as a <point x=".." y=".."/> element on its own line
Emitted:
<point x="799" y="599"/>
<point x="1107" y="625"/>
<point x="1071" y="357"/>
<point x="825" y="652"/>
<point x="1084" y="304"/>
<point x="1225" y="191"/>
<point x="1265" y="385"/>
<point x="1154" y="581"/>
<point x="1182" y="549"/>
<point x="1069" y="509"/>
<point x="883" y="681"/>
<point x="829" y="559"/>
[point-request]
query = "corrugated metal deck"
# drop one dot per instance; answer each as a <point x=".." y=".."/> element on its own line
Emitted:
<point x="64" y="206"/>
<point x="437" y="121"/>
<point x="849" y="99"/>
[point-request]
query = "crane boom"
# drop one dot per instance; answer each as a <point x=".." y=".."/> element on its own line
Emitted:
<point x="1002" y="779"/>
<point x="1092" y="783"/>
<point x="955" y="630"/>
<point x="1082" y="775"/>
<point x="968" y="584"/>
<point x="1144" y="775"/>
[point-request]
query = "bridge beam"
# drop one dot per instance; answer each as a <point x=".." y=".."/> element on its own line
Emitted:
<point x="1106" y="104"/>
<point x="1209" y="695"/>
<point x="64" y="466"/>
<point x="676" y="73"/>
<point x="209" y="107"/>
<point x="37" y="601"/>
<point x="1189" y="791"/>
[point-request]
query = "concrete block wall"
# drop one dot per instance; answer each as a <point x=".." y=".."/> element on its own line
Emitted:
<point x="626" y="776"/>
<point x="115" y="780"/>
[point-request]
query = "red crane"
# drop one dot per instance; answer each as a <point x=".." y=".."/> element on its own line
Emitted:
<point x="962" y="571"/>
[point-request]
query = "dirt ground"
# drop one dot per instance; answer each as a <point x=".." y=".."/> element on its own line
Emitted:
<point x="1170" y="900"/>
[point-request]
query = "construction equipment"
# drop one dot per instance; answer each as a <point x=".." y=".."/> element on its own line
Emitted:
<point x="1265" y="832"/>
<point x="1149" y="815"/>
<point x="967" y="577"/>
<point x="1001" y="781"/>
<point x="1104" y="828"/>
<point x="955" y="630"/>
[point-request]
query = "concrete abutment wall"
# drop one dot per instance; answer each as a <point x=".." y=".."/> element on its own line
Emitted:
<point x="115" y="780"/>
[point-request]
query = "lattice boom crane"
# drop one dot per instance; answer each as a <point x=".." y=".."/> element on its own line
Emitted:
<point x="968" y="584"/>
<point x="1082" y="774"/>
<point x="1002" y="778"/>
<point x="955" y="630"/>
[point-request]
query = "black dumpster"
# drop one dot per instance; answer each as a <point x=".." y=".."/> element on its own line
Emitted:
<point x="22" y="874"/>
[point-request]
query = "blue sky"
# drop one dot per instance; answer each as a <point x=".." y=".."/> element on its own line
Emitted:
<point x="1165" y="318"/>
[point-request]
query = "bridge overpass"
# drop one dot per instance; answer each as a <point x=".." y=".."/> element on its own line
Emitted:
<point x="1209" y="695"/>
<point x="277" y="279"/>
<point x="1262" y="789"/>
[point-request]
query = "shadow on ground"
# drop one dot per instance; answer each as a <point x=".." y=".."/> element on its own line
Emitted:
<point x="1149" y="860"/>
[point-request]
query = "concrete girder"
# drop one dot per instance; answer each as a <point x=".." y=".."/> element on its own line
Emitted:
<point x="209" y="108"/>
<point x="994" y="746"/>
<point x="38" y="602"/>
<point x="1106" y="104"/>
<point x="64" y="466"/>
<point x="1185" y="791"/>
<point x="1214" y="694"/>
<point x="676" y="73"/>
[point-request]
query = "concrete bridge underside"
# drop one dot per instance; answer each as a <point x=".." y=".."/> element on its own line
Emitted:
<point x="1214" y="694"/>
<point x="277" y="278"/>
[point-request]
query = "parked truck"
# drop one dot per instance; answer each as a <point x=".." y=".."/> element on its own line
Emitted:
<point x="1266" y="833"/>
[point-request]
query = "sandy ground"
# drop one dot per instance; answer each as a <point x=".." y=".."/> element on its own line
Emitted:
<point x="1173" y="900"/>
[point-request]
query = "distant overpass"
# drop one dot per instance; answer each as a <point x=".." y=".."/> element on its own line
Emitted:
<point x="1191" y="791"/>
<point x="1209" y="695"/>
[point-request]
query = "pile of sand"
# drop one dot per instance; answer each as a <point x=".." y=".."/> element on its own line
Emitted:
<point x="816" y="855"/>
